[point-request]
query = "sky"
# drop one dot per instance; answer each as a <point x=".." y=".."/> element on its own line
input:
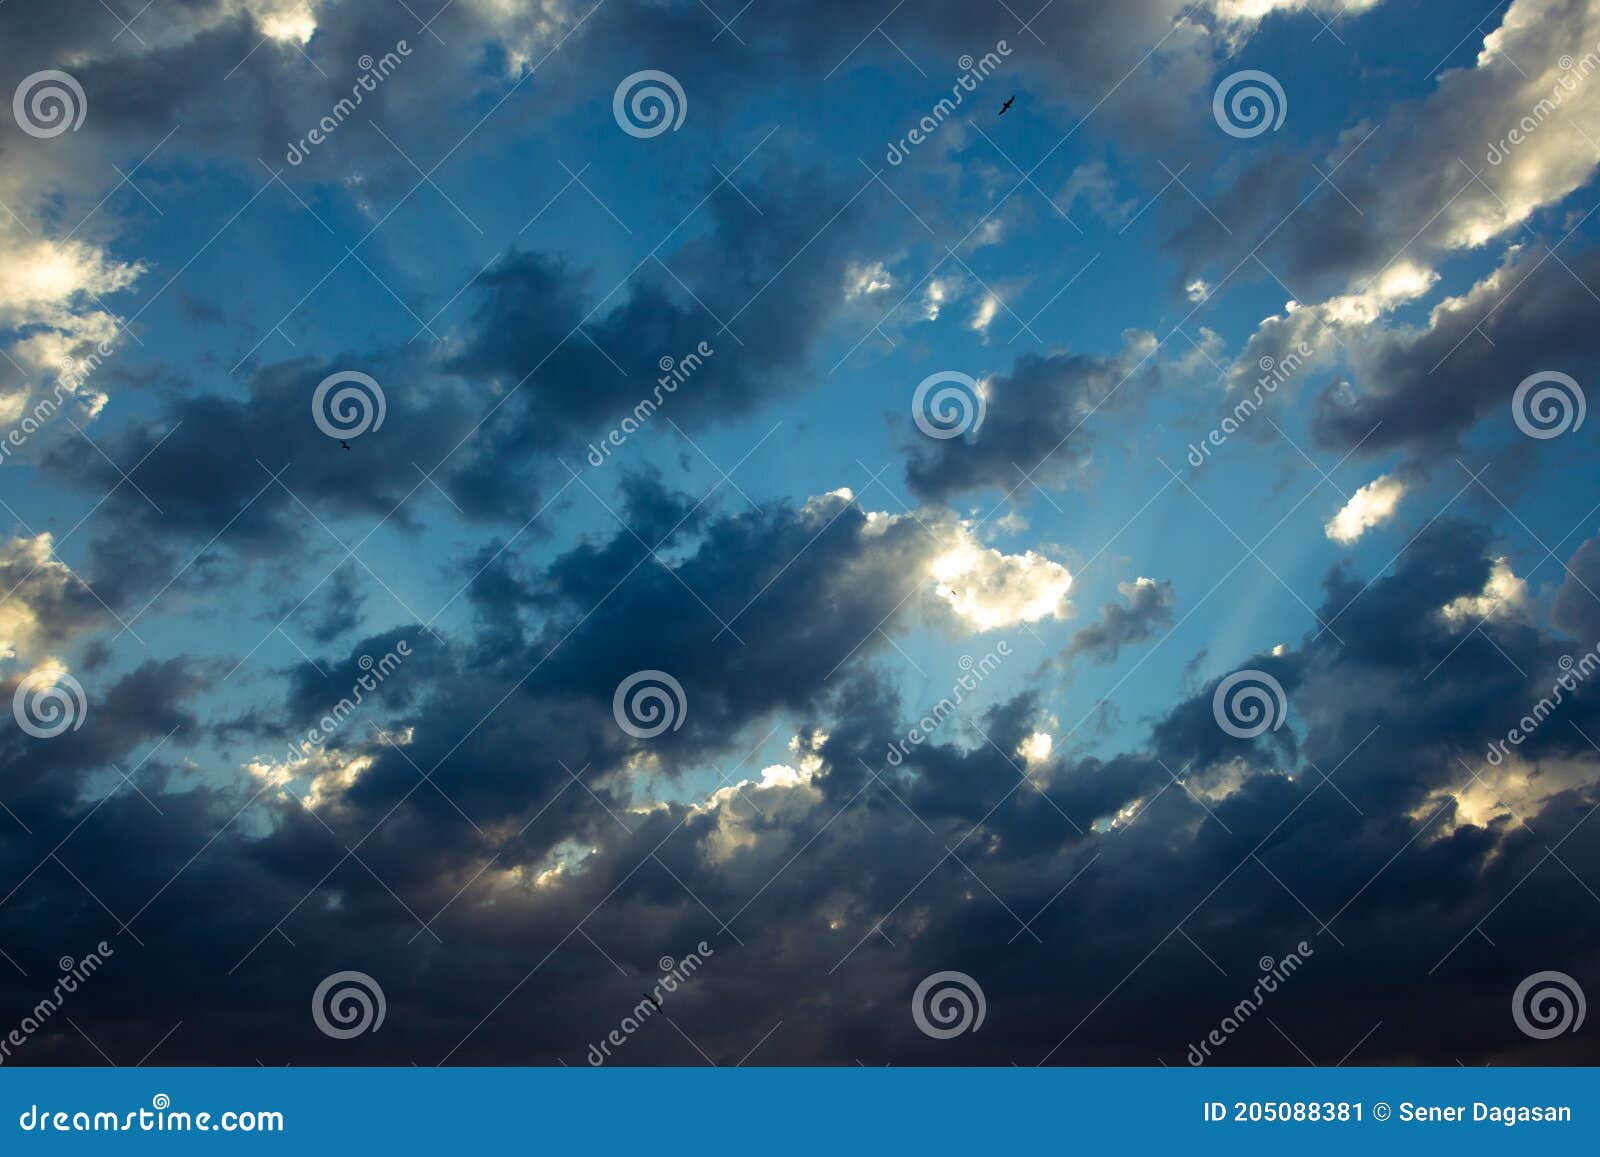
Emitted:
<point x="912" y="533"/>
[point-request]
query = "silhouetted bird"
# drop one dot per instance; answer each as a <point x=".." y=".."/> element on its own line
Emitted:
<point x="1009" y="102"/>
<point x="343" y="443"/>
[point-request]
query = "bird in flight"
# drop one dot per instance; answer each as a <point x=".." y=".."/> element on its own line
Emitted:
<point x="343" y="443"/>
<point x="1009" y="102"/>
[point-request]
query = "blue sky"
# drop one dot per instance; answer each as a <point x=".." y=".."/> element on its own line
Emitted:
<point x="1390" y="538"/>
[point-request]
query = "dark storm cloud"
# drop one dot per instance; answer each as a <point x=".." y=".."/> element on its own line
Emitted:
<point x="1146" y="608"/>
<point x="1036" y="428"/>
<point x="961" y="857"/>
<point x="1429" y="386"/>
<point x="1075" y="51"/>
<point x="773" y="274"/>
<point x="1577" y="605"/>
<point x="547" y="368"/>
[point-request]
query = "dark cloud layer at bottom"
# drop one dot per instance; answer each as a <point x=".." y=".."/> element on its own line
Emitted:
<point x="1113" y="911"/>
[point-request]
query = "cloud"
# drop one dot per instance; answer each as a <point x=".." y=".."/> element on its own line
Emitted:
<point x="1146" y="607"/>
<point x="1035" y="424"/>
<point x="1503" y="595"/>
<point x="46" y="604"/>
<point x="1577" y="603"/>
<point x="1372" y="505"/>
<point x="988" y="590"/>
<point x="1421" y="389"/>
<point x="1430" y="178"/>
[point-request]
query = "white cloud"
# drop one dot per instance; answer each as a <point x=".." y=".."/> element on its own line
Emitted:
<point x="1259" y="9"/>
<point x="987" y="308"/>
<point x="1503" y="596"/>
<point x="1402" y="282"/>
<point x="865" y="279"/>
<point x="1372" y="505"/>
<point x="987" y="589"/>
<point x="47" y="604"/>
